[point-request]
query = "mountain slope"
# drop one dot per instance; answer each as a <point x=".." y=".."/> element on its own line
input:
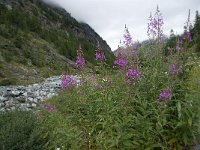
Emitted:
<point x="38" y="40"/>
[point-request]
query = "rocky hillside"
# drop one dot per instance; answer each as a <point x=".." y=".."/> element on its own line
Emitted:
<point x="38" y="40"/>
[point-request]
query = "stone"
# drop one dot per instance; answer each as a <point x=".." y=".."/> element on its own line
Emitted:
<point x="25" y="94"/>
<point x="35" y="100"/>
<point x="197" y="147"/>
<point x="31" y="95"/>
<point x="3" y="99"/>
<point x="33" y="105"/>
<point x="2" y="109"/>
<point x="18" y="96"/>
<point x="30" y="99"/>
<point x="16" y="93"/>
<point x="8" y="104"/>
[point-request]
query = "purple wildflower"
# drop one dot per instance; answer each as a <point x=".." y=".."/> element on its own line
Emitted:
<point x="179" y="45"/>
<point x="155" y="25"/>
<point x="133" y="73"/>
<point x="121" y="60"/>
<point x="187" y="28"/>
<point x="99" y="53"/>
<point x="68" y="81"/>
<point x="187" y="36"/>
<point x="49" y="108"/>
<point x="100" y="56"/>
<point x="98" y="86"/>
<point x="175" y="69"/>
<point x="80" y="61"/>
<point x="165" y="95"/>
<point x="127" y="38"/>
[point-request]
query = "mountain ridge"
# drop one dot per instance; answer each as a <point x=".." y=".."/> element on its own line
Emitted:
<point x="42" y="38"/>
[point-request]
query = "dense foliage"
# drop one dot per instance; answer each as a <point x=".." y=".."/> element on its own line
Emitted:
<point x="116" y="112"/>
<point x="196" y="32"/>
<point x="20" y="130"/>
<point x="148" y="100"/>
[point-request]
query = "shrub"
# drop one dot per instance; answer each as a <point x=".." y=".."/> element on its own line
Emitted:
<point x="8" y="81"/>
<point x="20" y="130"/>
<point x="7" y="56"/>
<point x="149" y="109"/>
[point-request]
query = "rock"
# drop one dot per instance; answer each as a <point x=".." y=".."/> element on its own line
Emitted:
<point x="31" y="95"/>
<point x="197" y="147"/>
<point x="3" y="99"/>
<point x="8" y="104"/>
<point x="35" y="100"/>
<point x="33" y="105"/>
<point x="50" y="95"/>
<point x="16" y="93"/>
<point x="24" y="107"/>
<point x="28" y="97"/>
<point x="25" y="94"/>
<point x="2" y="109"/>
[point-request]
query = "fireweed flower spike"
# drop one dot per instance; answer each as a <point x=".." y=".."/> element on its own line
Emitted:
<point x="67" y="81"/>
<point x="187" y="36"/>
<point x="187" y="27"/>
<point x="99" y="53"/>
<point x="121" y="60"/>
<point x="150" y="30"/>
<point x="155" y="26"/>
<point x="127" y="38"/>
<point x="49" y="108"/>
<point x="179" y="46"/>
<point x="175" y="69"/>
<point x="80" y="61"/>
<point x="165" y="95"/>
<point x="133" y="74"/>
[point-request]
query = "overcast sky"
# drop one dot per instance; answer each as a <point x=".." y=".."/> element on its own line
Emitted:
<point x="108" y="17"/>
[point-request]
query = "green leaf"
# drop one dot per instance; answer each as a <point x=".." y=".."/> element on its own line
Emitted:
<point x="172" y="141"/>
<point x="179" y="124"/>
<point x="179" y="109"/>
<point x="190" y="121"/>
<point x="128" y="143"/>
<point x="152" y="146"/>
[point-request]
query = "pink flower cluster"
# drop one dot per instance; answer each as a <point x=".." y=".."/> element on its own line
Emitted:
<point x="187" y="36"/>
<point x="49" y="108"/>
<point x="80" y="61"/>
<point x="68" y="81"/>
<point x="175" y="69"/>
<point x="99" y="53"/>
<point x="165" y="95"/>
<point x="122" y="60"/>
<point x="133" y="73"/>
<point x="127" y="38"/>
<point x="155" y="25"/>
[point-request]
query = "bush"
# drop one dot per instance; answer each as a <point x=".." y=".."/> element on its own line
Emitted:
<point x="19" y="41"/>
<point x="7" y="56"/>
<point x="20" y="130"/>
<point x="8" y="81"/>
<point x="111" y="111"/>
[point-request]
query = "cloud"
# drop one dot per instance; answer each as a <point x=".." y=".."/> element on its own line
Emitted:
<point x="107" y="17"/>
